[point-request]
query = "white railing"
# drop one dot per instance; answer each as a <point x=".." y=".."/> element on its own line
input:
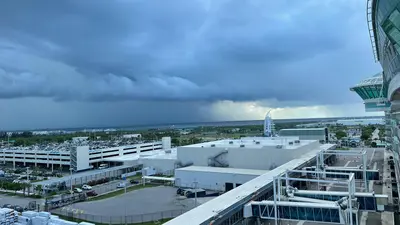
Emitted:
<point x="371" y="31"/>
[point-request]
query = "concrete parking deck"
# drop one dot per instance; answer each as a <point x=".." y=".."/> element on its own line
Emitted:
<point x="83" y="177"/>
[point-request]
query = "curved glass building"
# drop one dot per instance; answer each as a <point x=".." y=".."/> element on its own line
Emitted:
<point x="373" y="93"/>
<point x="384" y="30"/>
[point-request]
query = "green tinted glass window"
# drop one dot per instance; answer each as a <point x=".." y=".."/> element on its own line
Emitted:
<point x="395" y="18"/>
<point x="391" y="27"/>
<point x="394" y="34"/>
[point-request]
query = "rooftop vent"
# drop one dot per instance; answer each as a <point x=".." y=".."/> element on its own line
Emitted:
<point x="230" y="142"/>
<point x="297" y="141"/>
<point x="242" y="146"/>
<point x="212" y="145"/>
<point x="168" y="151"/>
<point x="279" y="146"/>
<point x="257" y="142"/>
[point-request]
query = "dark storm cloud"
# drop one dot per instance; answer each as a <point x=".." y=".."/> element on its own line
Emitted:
<point x="182" y="50"/>
<point x="43" y="113"/>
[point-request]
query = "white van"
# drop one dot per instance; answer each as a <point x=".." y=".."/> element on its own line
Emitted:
<point x="103" y="166"/>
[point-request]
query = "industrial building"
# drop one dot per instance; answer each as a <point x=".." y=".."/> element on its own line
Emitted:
<point x="214" y="178"/>
<point x="279" y="194"/>
<point x="320" y="134"/>
<point x="258" y="153"/>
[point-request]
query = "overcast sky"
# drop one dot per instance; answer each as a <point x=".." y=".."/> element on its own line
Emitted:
<point x="125" y="62"/>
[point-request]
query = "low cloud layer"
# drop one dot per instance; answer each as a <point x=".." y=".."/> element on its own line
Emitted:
<point x="291" y="53"/>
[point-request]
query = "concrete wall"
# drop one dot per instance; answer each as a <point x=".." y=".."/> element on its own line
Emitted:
<point x="166" y="142"/>
<point x="82" y="159"/>
<point x="265" y="158"/>
<point x="209" y="180"/>
<point x="160" y="165"/>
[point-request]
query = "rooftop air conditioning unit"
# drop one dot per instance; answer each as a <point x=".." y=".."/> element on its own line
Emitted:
<point x="168" y="151"/>
<point x="242" y="146"/>
<point x="230" y="142"/>
<point x="212" y="145"/>
<point x="279" y="146"/>
<point x="297" y="141"/>
<point x="290" y="143"/>
<point x="257" y="142"/>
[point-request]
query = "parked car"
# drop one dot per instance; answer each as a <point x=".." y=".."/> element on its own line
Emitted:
<point x="86" y="187"/>
<point x="91" y="193"/>
<point x="121" y="185"/>
<point x="77" y="190"/>
<point x="103" y="166"/>
<point x="134" y="181"/>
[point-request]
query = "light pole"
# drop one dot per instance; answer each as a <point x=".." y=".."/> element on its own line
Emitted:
<point x="195" y="193"/>
<point x="71" y="169"/>
<point x="27" y="173"/>
<point x="125" y="183"/>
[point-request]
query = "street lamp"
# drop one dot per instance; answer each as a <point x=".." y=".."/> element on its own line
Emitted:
<point x="71" y="169"/>
<point x="27" y="173"/>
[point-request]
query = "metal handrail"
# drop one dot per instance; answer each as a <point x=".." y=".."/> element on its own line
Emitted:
<point x="371" y="29"/>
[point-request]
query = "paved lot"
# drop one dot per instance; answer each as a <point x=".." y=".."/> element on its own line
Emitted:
<point x="375" y="158"/>
<point x="16" y="200"/>
<point x="143" y="201"/>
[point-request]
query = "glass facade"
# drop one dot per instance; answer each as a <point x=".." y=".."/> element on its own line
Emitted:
<point x="299" y="213"/>
<point x="366" y="203"/>
<point x="384" y="25"/>
<point x="371" y="88"/>
<point x="371" y="175"/>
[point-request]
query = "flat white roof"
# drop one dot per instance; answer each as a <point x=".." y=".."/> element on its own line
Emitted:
<point x="156" y="154"/>
<point x="256" y="142"/>
<point x="207" y="211"/>
<point x="159" y="178"/>
<point x="223" y="170"/>
<point x="79" y="175"/>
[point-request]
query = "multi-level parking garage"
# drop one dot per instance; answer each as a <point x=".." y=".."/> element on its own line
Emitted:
<point x="78" y="157"/>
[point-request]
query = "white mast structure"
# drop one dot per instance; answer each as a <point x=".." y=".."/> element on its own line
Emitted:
<point x="268" y="130"/>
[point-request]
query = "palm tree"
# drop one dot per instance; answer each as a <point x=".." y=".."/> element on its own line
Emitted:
<point x="39" y="189"/>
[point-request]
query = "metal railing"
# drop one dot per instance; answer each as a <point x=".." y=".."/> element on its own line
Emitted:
<point x="371" y="31"/>
<point x="73" y="215"/>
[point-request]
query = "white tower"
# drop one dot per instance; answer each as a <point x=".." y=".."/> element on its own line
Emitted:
<point x="268" y="125"/>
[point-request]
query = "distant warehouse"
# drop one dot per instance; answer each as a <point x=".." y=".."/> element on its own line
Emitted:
<point x="320" y="134"/>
